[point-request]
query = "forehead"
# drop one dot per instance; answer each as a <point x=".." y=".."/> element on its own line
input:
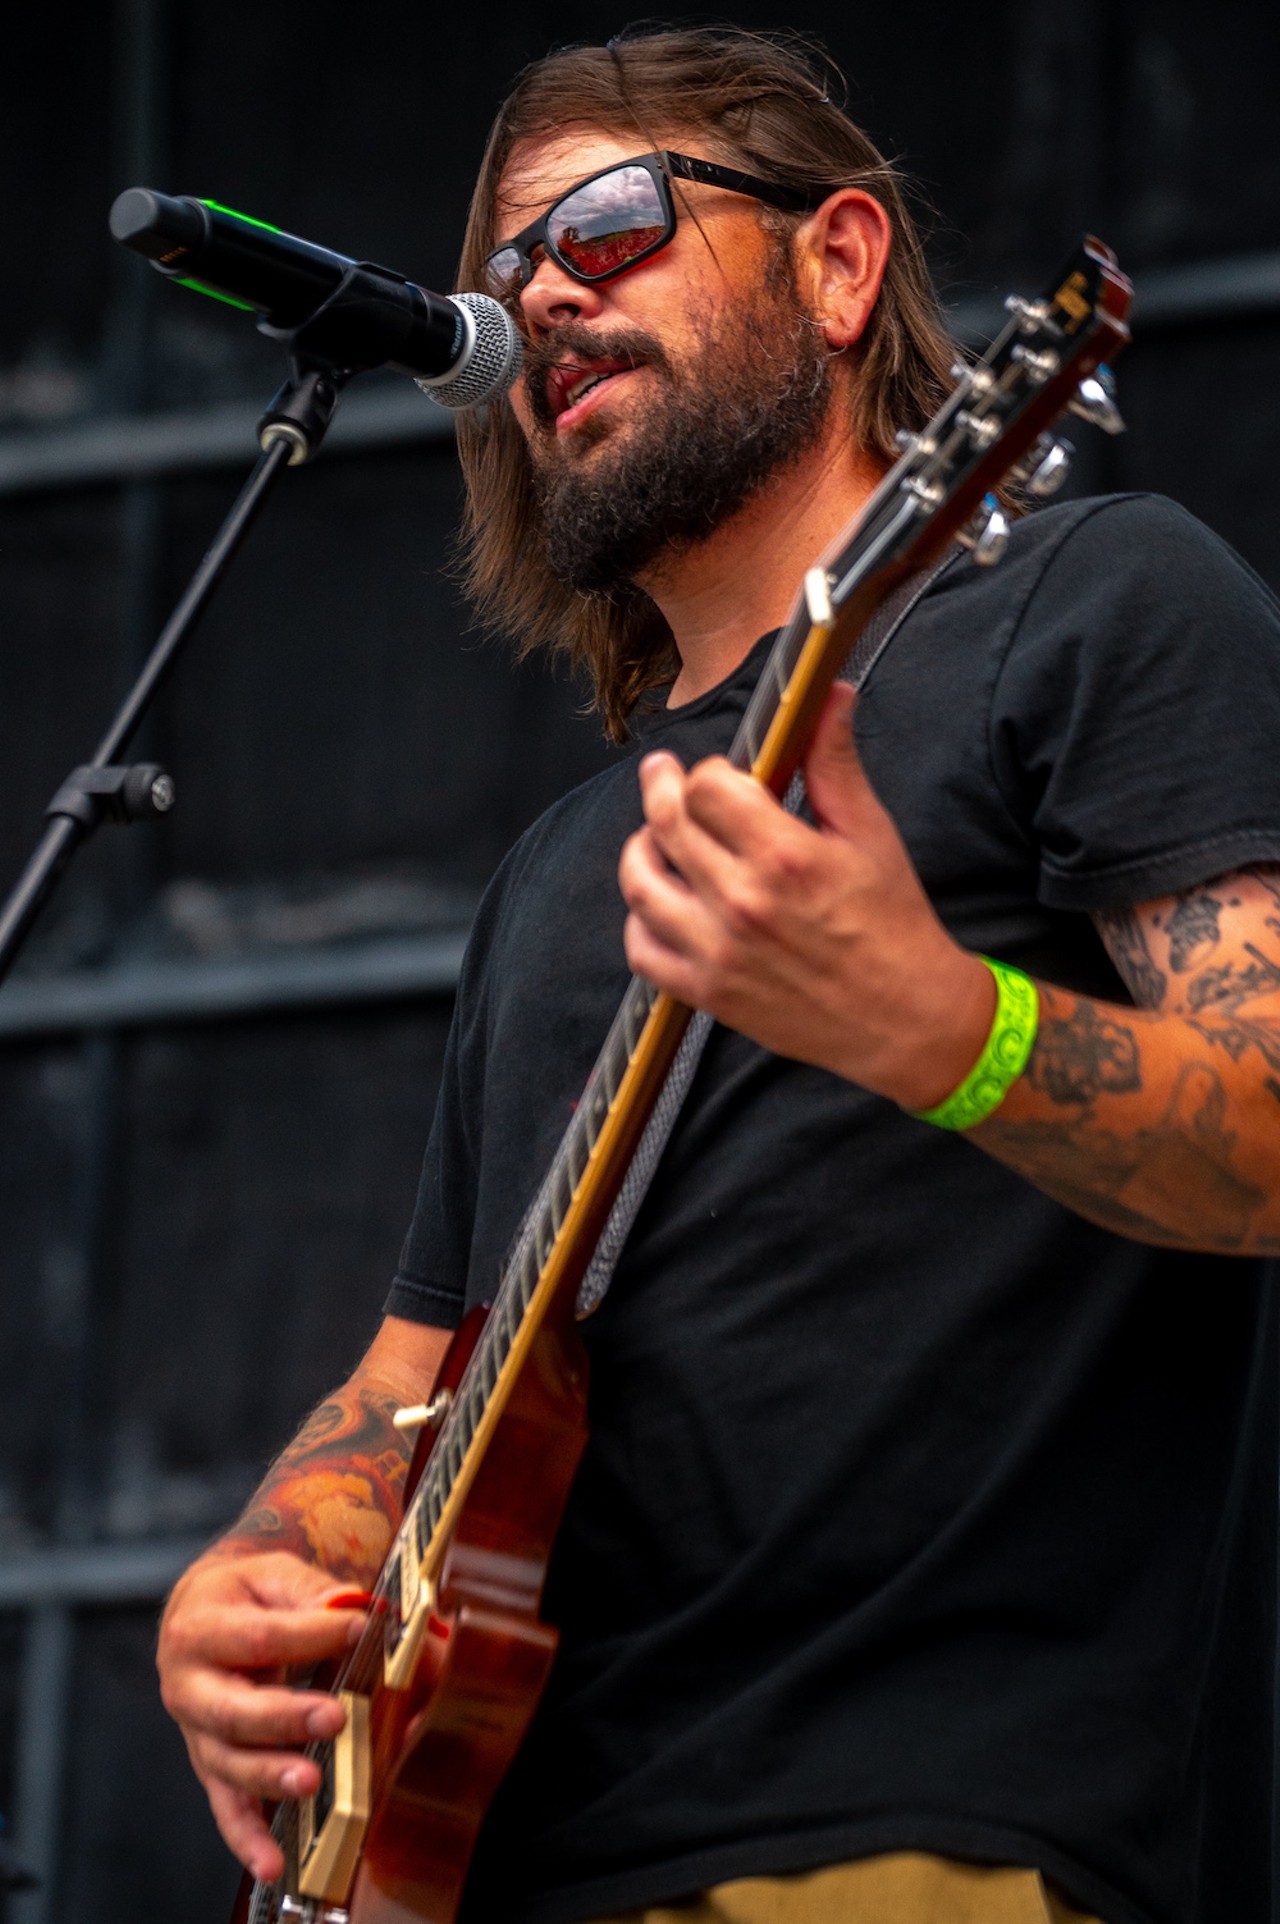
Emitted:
<point x="540" y="170"/>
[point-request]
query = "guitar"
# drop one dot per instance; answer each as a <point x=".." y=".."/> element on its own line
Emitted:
<point x="443" y="1684"/>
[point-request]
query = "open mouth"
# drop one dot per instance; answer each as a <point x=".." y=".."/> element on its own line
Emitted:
<point x="569" y="383"/>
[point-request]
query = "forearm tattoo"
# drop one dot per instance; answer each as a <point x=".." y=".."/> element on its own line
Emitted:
<point x="1150" y="1121"/>
<point x="335" y="1495"/>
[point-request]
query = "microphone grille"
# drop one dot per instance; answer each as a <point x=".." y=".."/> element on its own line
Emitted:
<point x="491" y="362"/>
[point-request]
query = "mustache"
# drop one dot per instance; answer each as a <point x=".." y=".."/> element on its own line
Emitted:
<point x="571" y="345"/>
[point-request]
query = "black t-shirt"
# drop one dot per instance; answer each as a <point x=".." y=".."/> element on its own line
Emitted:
<point x="912" y="1500"/>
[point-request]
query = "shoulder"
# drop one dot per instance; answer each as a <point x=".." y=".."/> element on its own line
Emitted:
<point x="1131" y="546"/>
<point x="569" y="842"/>
<point x="579" y="817"/>
<point x="1121" y="583"/>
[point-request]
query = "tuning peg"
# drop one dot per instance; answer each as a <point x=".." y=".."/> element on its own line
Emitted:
<point x="987" y="534"/>
<point x="1051" y="470"/>
<point x="1094" y="400"/>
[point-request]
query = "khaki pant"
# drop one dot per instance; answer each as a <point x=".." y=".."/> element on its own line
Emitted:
<point x="903" y="1888"/>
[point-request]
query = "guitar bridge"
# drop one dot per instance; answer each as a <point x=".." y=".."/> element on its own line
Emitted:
<point x="332" y="1822"/>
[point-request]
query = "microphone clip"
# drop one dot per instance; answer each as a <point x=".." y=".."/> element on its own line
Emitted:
<point x="371" y="317"/>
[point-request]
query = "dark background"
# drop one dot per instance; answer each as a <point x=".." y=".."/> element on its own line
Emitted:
<point x="218" y="1062"/>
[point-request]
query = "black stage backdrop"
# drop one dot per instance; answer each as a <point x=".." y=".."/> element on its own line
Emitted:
<point x="217" y="1065"/>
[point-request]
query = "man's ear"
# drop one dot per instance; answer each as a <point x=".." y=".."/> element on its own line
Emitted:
<point x="843" y="248"/>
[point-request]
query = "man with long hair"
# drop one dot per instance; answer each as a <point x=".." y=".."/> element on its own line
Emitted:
<point x="917" y="1546"/>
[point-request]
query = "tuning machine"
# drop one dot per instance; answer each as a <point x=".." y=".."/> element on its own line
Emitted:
<point x="986" y="534"/>
<point x="1045" y="467"/>
<point x="1095" y="400"/>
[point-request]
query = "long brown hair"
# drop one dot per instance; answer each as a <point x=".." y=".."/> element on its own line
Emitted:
<point x="763" y="103"/>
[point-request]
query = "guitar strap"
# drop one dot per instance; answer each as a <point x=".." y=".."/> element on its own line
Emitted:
<point x="880" y="629"/>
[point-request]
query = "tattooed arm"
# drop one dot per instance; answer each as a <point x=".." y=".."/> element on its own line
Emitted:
<point x="1163" y="1122"/>
<point x="259" y="1601"/>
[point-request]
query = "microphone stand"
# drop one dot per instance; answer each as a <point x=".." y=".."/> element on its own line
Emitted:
<point x="324" y="351"/>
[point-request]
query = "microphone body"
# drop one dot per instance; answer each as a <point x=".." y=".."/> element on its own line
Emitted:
<point x="461" y="350"/>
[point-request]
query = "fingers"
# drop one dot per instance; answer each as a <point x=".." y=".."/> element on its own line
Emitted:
<point x="245" y="1832"/>
<point x="255" y="1614"/>
<point x="247" y="1636"/>
<point x="237" y="1711"/>
<point x="701" y="817"/>
<point x="840" y="794"/>
<point x="671" y="911"/>
<point x="282" y="1581"/>
<point x="273" y="1774"/>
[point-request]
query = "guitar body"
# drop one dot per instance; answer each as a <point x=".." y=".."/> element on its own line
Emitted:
<point x="439" y="1748"/>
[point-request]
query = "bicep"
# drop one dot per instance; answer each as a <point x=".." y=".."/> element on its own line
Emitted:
<point x="1210" y="951"/>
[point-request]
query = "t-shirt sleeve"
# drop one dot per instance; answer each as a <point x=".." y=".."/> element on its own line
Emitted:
<point x="428" y="1286"/>
<point x="1135" y="720"/>
<point x="430" y="1282"/>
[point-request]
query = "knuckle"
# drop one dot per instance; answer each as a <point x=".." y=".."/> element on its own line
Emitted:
<point x="744" y="911"/>
<point x="261" y="1643"/>
<point x="705" y="781"/>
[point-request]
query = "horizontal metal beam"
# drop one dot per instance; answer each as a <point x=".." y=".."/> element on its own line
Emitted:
<point x="1199" y="294"/>
<point x="96" y="1573"/>
<point x="133" y="447"/>
<point x="145" y="994"/>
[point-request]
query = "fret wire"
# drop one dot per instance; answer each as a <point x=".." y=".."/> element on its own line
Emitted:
<point x="561" y="1191"/>
<point x="575" y="1152"/>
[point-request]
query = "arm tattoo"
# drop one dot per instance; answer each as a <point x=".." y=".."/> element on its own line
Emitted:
<point x="1126" y="941"/>
<point x="334" y="1495"/>
<point x="1081" y="1056"/>
<point x="1227" y="987"/>
<point x="1193" y="929"/>
<point x="1174" y="1181"/>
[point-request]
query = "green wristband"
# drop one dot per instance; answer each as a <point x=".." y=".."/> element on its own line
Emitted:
<point x="1003" y="1058"/>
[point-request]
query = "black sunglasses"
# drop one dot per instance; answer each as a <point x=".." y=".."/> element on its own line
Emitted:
<point x="620" y="216"/>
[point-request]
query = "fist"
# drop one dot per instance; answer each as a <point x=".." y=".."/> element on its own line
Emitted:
<point x="819" y="943"/>
<point x="230" y="1632"/>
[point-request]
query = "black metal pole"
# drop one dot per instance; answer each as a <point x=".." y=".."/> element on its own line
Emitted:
<point x="65" y="832"/>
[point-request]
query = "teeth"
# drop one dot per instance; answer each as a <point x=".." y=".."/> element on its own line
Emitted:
<point x="575" y="393"/>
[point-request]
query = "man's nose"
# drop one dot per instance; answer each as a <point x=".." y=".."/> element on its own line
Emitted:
<point x="553" y="297"/>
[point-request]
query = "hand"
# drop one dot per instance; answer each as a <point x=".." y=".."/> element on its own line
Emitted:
<point x="231" y="1628"/>
<point x="818" y="943"/>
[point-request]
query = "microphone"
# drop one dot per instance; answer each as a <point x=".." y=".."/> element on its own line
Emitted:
<point x="461" y="349"/>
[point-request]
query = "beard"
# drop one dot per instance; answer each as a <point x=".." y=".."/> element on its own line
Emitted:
<point x="748" y="400"/>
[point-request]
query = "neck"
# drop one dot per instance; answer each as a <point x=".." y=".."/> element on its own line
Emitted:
<point x="721" y="596"/>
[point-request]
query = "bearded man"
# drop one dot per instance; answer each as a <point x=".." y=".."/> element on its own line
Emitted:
<point x="930" y="1484"/>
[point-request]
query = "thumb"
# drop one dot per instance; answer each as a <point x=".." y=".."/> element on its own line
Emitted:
<point x="283" y="1581"/>
<point x="839" y="791"/>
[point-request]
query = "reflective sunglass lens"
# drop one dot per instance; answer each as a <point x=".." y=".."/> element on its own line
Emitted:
<point x="599" y="228"/>
<point x="502" y="272"/>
